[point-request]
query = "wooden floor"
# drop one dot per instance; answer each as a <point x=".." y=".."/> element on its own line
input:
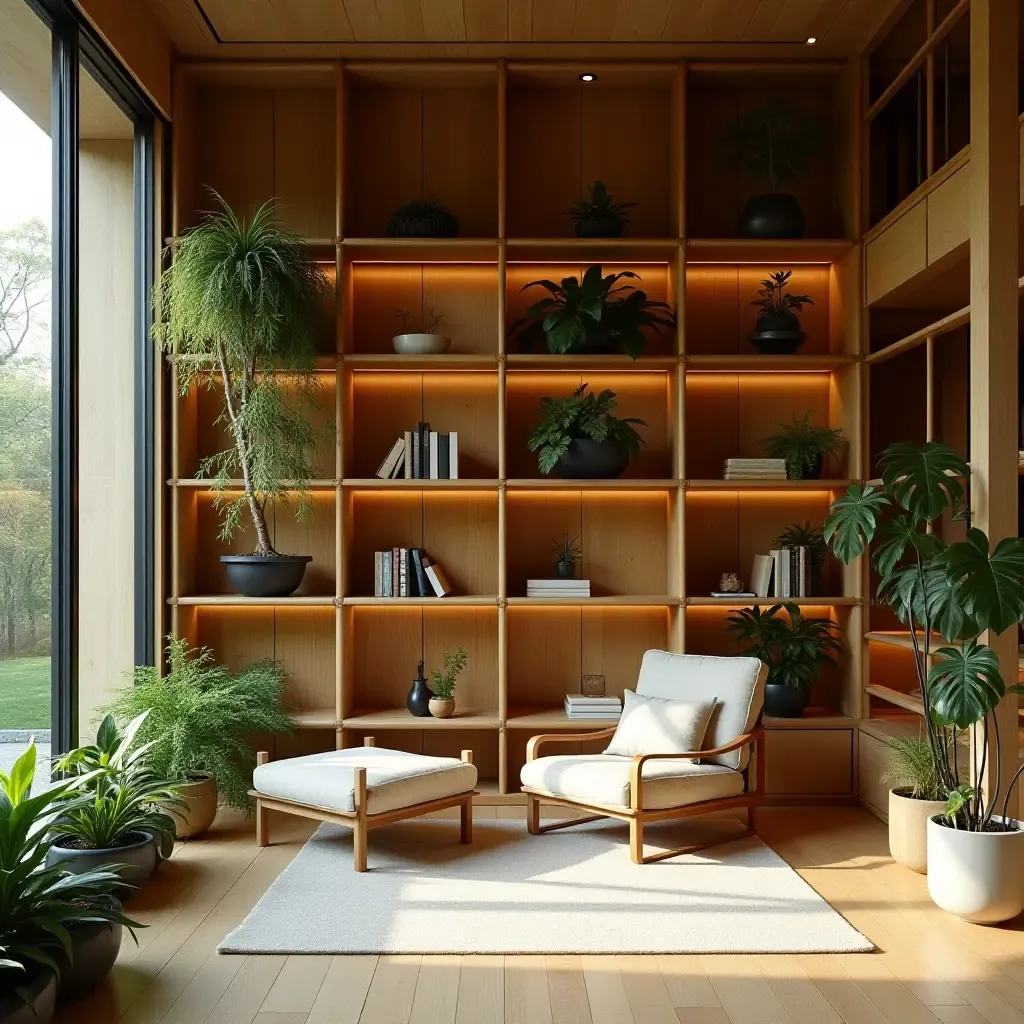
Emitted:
<point x="928" y="967"/>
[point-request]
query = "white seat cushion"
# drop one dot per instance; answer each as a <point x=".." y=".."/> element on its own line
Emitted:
<point x="604" y="779"/>
<point x="394" y="779"/>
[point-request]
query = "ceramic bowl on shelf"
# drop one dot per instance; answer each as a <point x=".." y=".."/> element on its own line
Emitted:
<point x="421" y="344"/>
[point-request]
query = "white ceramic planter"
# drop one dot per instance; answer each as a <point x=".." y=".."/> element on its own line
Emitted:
<point x="976" y="875"/>
<point x="421" y="344"/>
<point x="200" y="808"/>
<point x="908" y="828"/>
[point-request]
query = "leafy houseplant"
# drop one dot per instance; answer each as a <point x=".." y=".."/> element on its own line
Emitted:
<point x="199" y="714"/>
<point x="426" y="340"/>
<point x="598" y="216"/>
<point x="238" y="310"/>
<point x="778" y="327"/>
<point x="803" y="535"/>
<point x="803" y="446"/>
<point x="442" y="703"/>
<point x="579" y="437"/>
<point x="772" y="144"/>
<point x="423" y="218"/>
<point x="568" y="551"/>
<point x="794" y="651"/>
<point x="948" y="595"/>
<point x="594" y="315"/>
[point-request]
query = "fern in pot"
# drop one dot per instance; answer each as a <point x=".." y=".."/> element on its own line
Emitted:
<point x="238" y="309"/>
<point x="443" y="680"/>
<point x="803" y="446"/>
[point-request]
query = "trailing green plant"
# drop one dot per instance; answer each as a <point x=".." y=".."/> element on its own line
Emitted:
<point x="773" y="142"/>
<point x="794" y="649"/>
<point x="803" y="535"/>
<point x="580" y="415"/>
<point x="948" y="595"/>
<point x="802" y="444"/>
<point x="423" y="218"/>
<point x="566" y="550"/>
<point x="430" y="320"/>
<point x="598" y="210"/>
<point x="38" y="904"/>
<point x="772" y="296"/>
<point x="443" y="681"/>
<point x="595" y="310"/>
<point x="200" y="714"/>
<point x="912" y="766"/>
<point x="238" y="309"/>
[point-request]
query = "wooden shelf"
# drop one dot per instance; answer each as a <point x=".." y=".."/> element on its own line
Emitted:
<point x="592" y="363"/>
<point x="461" y="600"/>
<point x="907" y="701"/>
<point x="892" y="727"/>
<point x="766" y="250"/>
<point x="375" y="484"/>
<point x="554" y="718"/>
<point x="550" y="483"/>
<point x="767" y="485"/>
<point x="448" y="362"/>
<point x="201" y="483"/>
<point x="617" y="600"/>
<point x="813" y="718"/>
<point x="400" y="718"/>
<point x="420" y="250"/>
<point x="317" y="718"/>
<point x="593" y="250"/>
<point x="902" y="640"/>
<point x="236" y="600"/>
<point x="754" y="363"/>
<point x="747" y="602"/>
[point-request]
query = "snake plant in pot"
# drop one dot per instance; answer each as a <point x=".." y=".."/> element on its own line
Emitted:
<point x="949" y="595"/>
<point x="238" y="309"/>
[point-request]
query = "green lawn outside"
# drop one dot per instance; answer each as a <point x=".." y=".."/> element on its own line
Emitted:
<point x="25" y="693"/>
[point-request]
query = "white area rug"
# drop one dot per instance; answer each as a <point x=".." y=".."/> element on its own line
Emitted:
<point x="573" y="891"/>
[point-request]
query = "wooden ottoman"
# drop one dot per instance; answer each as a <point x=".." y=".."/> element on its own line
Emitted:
<point x="363" y="788"/>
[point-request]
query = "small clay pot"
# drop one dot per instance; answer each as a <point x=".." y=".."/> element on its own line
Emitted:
<point x="442" y="707"/>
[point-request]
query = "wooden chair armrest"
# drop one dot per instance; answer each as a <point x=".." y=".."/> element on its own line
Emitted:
<point x="639" y="760"/>
<point x="564" y="737"/>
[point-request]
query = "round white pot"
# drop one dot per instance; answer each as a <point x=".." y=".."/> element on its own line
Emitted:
<point x="976" y="875"/>
<point x="421" y="344"/>
<point x="442" y="707"/>
<point x="908" y="828"/>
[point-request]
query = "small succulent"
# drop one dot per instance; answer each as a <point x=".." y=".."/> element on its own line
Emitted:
<point x="773" y="298"/>
<point x="423" y="218"/>
<point x="599" y="216"/>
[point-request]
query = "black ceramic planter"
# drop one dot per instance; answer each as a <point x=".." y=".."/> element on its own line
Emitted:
<point x="777" y="334"/>
<point x="137" y="860"/>
<point x="565" y="569"/>
<point x="593" y="460"/>
<point x="427" y="225"/>
<point x="42" y="996"/>
<point x="774" y="215"/>
<point x="94" y="949"/>
<point x="599" y="227"/>
<point x="266" y="575"/>
<point x="809" y="472"/>
<point x="785" y="701"/>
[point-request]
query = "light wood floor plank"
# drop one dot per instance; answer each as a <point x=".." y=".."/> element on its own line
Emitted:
<point x="481" y="990"/>
<point x="567" y="990"/>
<point x="343" y="992"/>
<point x="959" y="1015"/>
<point x="686" y="980"/>
<point x="526" y="991"/>
<point x="296" y="987"/>
<point x="646" y="989"/>
<point x="392" y="990"/>
<point x="437" y="991"/>
<point x="742" y="991"/>
<point x="839" y="989"/>
<point x="606" y="992"/>
<point x="799" y="995"/>
<point x="249" y="987"/>
<point x="280" y="1018"/>
<point x="702" y="1015"/>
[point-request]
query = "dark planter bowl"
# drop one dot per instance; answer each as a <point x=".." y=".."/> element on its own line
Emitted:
<point x="785" y="701"/>
<point x="41" y="1006"/>
<point x="266" y="575"/>
<point x="593" y="460"/>
<point x="774" y="215"/>
<point x="812" y="472"/>
<point x="777" y="334"/>
<point x="596" y="343"/>
<point x="93" y="952"/>
<point x="424" y="227"/>
<point x="138" y="859"/>
<point x="564" y="569"/>
<point x="599" y="227"/>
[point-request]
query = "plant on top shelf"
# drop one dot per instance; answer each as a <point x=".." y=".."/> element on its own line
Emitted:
<point x="949" y="595"/>
<point x="803" y="535"/>
<point x="579" y="437"/>
<point x="778" y="326"/>
<point x="568" y="551"/>
<point x="423" y="218"/>
<point x="238" y="309"/>
<point x="803" y="446"/>
<point x="425" y="340"/>
<point x="794" y="651"/>
<point x="772" y="144"/>
<point x="595" y="315"/>
<point x="598" y="216"/>
<point x="442" y="703"/>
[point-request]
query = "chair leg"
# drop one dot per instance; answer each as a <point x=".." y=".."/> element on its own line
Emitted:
<point x="466" y="818"/>
<point x="532" y="815"/>
<point x="359" y="845"/>
<point x="636" y="840"/>
<point x="262" y="825"/>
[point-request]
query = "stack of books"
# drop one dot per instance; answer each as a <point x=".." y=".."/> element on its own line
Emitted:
<point x="755" y="469"/>
<point x="408" y="572"/>
<point x="558" y="588"/>
<point x="783" y="573"/>
<point x="422" y="454"/>
<point x="578" y="706"/>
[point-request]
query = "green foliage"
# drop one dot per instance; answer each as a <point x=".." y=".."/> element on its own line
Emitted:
<point x="598" y="307"/>
<point x="801" y="444"/>
<point x="443" y="681"/>
<point x="853" y="519"/>
<point x="924" y="479"/>
<point x="566" y="550"/>
<point x="580" y="415"/>
<point x="423" y="218"/>
<point x="798" y="535"/>
<point x="599" y="207"/>
<point x="912" y="765"/>
<point x="26" y="261"/>
<point x="965" y="683"/>
<point x="200" y="714"/>
<point x="794" y="649"/>
<point x="773" y="142"/>
<point x="773" y="297"/>
<point x="243" y="298"/>
<point x="430" y="320"/>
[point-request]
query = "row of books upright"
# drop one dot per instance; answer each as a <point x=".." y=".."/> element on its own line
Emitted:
<point x="408" y="572"/>
<point x="422" y="454"/>
<point x="783" y="572"/>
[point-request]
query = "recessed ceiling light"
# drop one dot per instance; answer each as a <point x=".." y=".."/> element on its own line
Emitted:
<point x="811" y="40"/>
<point x="588" y="77"/>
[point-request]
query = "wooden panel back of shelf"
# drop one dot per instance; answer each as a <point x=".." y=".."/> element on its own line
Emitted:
<point x="593" y="250"/>
<point x="761" y="250"/>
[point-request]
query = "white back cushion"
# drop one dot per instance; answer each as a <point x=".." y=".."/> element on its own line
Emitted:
<point x="653" y="725"/>
<point x="737" y="684"/>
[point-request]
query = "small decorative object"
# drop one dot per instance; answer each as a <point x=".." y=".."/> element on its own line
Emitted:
<point x="425" y="341"/>
<point x="568" y="551"/>
<point x="598" y="216"/>
<point x="778" y="327"/>
<point x="442" y="704"/>
<point x="798" y="535"/>
<point x="772" y="143"/>
<point x="803" y="446"/>
<point x="580" y="438"/>
<point x="418" y="701"/>
<point x="730" y="583"/>
<point x="593" y="316"/>
<point x="423" y="218"/>
<point x="592" y="685"/>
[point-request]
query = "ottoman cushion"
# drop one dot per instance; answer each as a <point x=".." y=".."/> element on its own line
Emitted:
<point x="394" y="779"/>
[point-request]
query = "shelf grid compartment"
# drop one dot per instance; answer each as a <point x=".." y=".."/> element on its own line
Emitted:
<point x="891" y="682"/>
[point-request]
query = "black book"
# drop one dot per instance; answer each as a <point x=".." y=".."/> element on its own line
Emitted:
<point x="416" y="558"/>
<point x="417" y="442"/>
<point x="425" y="451"/>
<point x="443" y="463"/>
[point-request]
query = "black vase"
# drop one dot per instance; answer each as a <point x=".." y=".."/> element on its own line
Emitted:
<point x="774" y="215"/>
<point x="418" y="701"/>
<point x="593" y="460"/>
<point x="777" y="334"/>
<point x="786" y="701"/>
<point x="598" y="226"/>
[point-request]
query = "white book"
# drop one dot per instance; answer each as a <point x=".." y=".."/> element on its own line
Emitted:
<point x="407" y="461"/>
<point x="602" y="716"/>
<point x="761" y="574"/>
<point x="432" y="475"/>
<point x="780" y="587"/>
<point x="433" y="580"/>
<point x="378" y="573"/>
<point x="578" y="700"/>
<point x="391" y="459"/>
<point x="559" y="584"/>
<point x="453" y="455"/>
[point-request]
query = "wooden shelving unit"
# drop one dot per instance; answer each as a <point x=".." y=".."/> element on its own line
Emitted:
<point x="656" y="540"/>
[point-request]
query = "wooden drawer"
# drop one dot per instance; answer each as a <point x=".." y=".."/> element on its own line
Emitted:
<point x="809" y="762"/>
<point x="897" y="254"/>
<point x="949" y="214"/>
<point x="875" y="757"/>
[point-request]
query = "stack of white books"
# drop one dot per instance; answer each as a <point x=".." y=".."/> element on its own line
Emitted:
<point x="578" y="706"/>
<point x="755" y="469"/>
<point x="558" y="588"/>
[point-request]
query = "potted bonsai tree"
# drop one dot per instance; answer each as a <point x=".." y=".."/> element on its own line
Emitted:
<point x="772" y="144"/>
<point x="803" y="446"/>
<point x="794" y="651"/>
<point x="916" y="795"/>
<point x="948" y="595"/>
<point x="238" y="308"/>
<point x="568" y="551"/>
<point x="778" y="326"/>
<point x="425" y="341"/>
<point x="598" y="216"/>
<point x="442" y="703"/>
<point x="423" y="218"/>
<point x="198" y="716"/>
<point x="595" y="315"/>
<point x="579" y="437"/>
